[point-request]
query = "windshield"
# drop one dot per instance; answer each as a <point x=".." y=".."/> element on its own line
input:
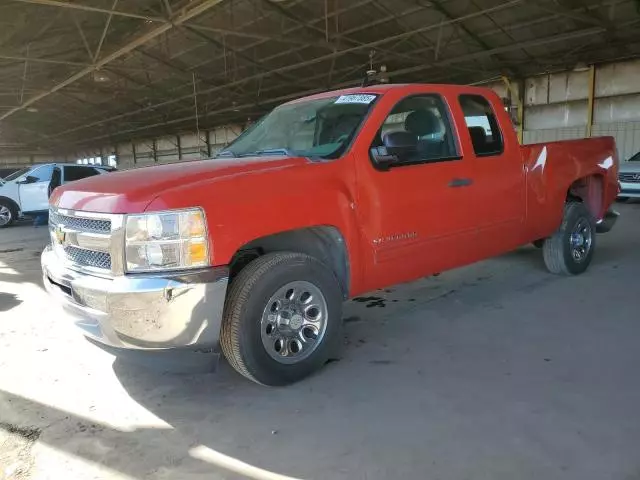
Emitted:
<point x="17" y="174"/>
<point x="314" y="128"/>
<point x="635" y="158"/>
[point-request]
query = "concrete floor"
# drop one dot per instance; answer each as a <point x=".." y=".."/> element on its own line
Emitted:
<point x="496" y="371"/>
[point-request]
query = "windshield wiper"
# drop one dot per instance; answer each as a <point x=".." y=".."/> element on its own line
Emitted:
<point x="225" y="154"/>
<point x="271" y="151"/>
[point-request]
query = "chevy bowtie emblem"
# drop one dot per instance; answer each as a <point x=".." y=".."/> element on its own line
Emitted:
<point x="60" y="234"/>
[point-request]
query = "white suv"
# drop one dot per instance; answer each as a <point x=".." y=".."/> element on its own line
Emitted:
<point x="27" y="191"/>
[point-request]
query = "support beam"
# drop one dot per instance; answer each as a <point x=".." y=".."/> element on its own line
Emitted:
<point x="104" y="32"/>
<point x="207" y="140"/>
<point x="52" y="61"/>
<point x="591" y="100"/>
<point x="554" y="7"/>
<point x="82" y="36"/>
<point x="445" y="61"/>
<point x="517" y="91"/>
<point x="143" y="39"/>
<point x="479" y="41"/>
<point x="536" y="42"/>
<point x="87" y="8"/>
<point x="257" y="36"/>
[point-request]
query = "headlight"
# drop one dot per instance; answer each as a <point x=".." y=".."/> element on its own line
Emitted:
<point x="166" y="241"/>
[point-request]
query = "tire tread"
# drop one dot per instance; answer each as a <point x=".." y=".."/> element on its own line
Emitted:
<point x="553" y="249"/>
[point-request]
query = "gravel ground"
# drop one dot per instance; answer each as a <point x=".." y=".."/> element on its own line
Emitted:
<point x="495" y="371"/>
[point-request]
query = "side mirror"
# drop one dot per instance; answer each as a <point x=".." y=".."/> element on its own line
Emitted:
<point x="399" y="147"/>
<point x="28" y="179"/>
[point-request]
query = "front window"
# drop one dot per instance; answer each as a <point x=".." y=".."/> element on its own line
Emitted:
<point x="16" y="175"/>
<point x="314" y="128"/>
<point x="43" y="174"/>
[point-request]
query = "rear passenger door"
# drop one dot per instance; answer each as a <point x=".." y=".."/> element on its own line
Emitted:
<point x="499" y="177"/>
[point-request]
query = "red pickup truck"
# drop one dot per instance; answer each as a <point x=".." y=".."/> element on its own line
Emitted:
<point x="252" y="253"/>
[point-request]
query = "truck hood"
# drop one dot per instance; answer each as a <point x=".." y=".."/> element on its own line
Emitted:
<point x="629" y="167"/>
<point x="131" y="191"/>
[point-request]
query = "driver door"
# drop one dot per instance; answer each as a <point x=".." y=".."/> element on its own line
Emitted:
<point x="417" y="215"/>
<point x="34" y="194"/>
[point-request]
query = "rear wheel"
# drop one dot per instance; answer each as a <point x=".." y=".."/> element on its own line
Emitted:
<point x="283" y="318"/>
<point x="570" y="250"/>
<point x="8" y="213"/>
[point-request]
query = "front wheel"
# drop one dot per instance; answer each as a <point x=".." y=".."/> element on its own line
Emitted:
<point x="570" y="250"/>
<point x="8" y="213"/>
<point x="283" y="318"/>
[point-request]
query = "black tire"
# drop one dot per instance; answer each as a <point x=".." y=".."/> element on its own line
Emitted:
<point x="247" y="299"/>
<point x="622" y="199"/>
<point x="538" y="243"/>
<point x="13" y="212"/>
<point x="557" y="250"/>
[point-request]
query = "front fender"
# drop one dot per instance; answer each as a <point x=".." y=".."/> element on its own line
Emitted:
<point x="248" y="207"/>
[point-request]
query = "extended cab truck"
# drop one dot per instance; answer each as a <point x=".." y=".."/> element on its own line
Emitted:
<point x="252" y="253"/>
<point x="26" y="191"/>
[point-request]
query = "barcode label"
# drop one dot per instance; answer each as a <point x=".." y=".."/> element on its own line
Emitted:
<point x="361" y="98"/>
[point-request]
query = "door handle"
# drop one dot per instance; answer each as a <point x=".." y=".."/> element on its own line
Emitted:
<point x="460" y="182"/>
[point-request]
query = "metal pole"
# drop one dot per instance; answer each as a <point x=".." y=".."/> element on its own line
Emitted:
<point x="518" y="93"/>
<point x="591" y="101"/>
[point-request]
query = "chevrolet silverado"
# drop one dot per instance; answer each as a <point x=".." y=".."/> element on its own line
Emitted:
<point x="252" y="253"/>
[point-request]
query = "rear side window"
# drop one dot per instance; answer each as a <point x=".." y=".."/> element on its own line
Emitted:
<point x="483" y="126"/>
<point x="78" y="173"/>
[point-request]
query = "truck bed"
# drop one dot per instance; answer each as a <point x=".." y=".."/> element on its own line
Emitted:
<point x="552" y="169"/>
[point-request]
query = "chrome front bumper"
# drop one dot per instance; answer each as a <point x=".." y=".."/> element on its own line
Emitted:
<point x="142" y="312"/>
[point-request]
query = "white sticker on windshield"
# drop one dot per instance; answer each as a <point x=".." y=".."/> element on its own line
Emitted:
<point x="361" y="98"/>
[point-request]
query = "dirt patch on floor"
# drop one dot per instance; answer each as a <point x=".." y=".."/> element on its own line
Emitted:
<point x="15" y="451"/>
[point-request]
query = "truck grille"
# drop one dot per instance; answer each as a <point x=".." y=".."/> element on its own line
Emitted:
<point x="82" y="240"/>
<point x="629" y="177"/>
<point x="81" y="224"/>
<point x="88" y="258"/>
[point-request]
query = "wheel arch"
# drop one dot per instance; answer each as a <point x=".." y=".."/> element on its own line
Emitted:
<point x="11" y="201"/>
<point x="590" y="191"/>
<point x="324" y="242"/>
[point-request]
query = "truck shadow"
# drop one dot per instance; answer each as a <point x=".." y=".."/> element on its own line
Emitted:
<point x="397" y="341"/>
<point x="136" y="453"/>
<point x="8" y="301"/>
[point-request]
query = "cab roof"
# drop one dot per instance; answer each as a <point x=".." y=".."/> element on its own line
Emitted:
<point x="381" y="89"/>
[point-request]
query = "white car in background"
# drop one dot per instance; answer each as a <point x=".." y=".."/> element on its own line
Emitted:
<point x="26" y="192"/>
<point x="629" y="177"/>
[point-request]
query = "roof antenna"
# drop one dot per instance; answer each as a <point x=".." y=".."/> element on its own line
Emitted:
<point x="370" y="77"/>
